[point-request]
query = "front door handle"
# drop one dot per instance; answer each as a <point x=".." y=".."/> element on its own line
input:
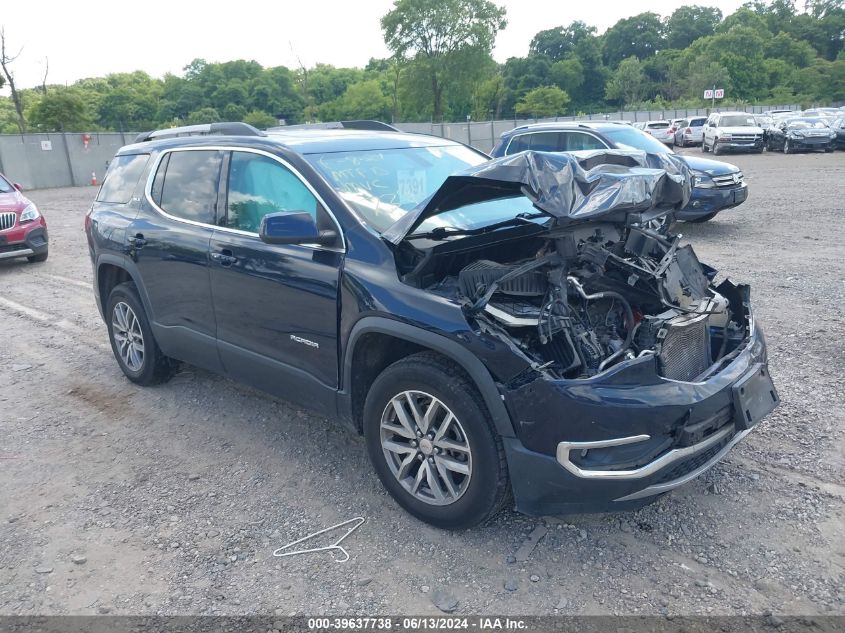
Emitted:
<point x="224" y="257"/>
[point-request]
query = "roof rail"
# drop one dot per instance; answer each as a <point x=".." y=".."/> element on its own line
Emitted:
<point x="229" y="128"/>
<point x="361" y="124"/>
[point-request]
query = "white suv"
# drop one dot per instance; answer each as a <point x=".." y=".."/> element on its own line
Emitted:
<point x="736" y="131"/>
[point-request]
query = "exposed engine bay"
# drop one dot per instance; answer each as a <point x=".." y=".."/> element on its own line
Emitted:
<point x="577" y="301"/>
<point x="594" y="279"/>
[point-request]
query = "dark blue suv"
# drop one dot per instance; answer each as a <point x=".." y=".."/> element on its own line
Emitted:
<point x="717" y="185"/>
<point x="524" y="328"/>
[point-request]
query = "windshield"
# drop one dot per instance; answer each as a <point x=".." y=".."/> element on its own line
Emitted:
<point x="5" y="186"/>
<point x="737" y="120"/>
<point x="802" y="124"/>
<point x="626" y="137"/>
<point x="383" y="185"/>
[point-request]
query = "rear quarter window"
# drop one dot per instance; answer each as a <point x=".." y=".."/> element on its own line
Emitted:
<point x="122" y="178"/>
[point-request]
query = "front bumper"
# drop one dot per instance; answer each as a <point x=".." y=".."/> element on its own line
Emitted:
<point x="24" y="241"/>
<point x="706" y="201"/>
<point x="819" y="143"/>
<point x="742" y="146"/>
<point x="627" y="436"/>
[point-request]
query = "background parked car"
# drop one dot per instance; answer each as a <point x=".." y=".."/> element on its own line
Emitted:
<point x="23" y="230"/>
<point x="794" y="135"/>
<point x="734" y="131"/>
<point x="661" y="130"/>
<point x="717" y="185"/>
<point x="839" y="128"/>
<point x="690" y="131"/>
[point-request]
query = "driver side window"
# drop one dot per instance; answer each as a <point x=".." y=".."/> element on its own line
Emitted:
<point x="259" y="185"/>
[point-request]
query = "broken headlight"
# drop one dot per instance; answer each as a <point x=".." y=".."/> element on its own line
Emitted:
<point x="702" y="181"/>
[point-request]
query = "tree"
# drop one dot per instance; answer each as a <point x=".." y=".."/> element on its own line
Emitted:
<point x="362" y="100"/>
<point x="260" y="119"/>
<point x="690" y="22"/>
<point x="6" y="60"/>
<point x="559" y="42"/>
<point x="433" y="31"/>
<point x="628" y="83"/>
<point x="60" y="110"/>
<point x="638" y="36"/>
<point x="545" y="101"/>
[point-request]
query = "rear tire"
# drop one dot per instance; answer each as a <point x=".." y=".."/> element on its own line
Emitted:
<point x="449" y="472"/>
<point x="132" y="340"/>
<point x="704" y="147"/>
<point x="41" y="257"/>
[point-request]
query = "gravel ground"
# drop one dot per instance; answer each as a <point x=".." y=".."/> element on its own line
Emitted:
<point x="171" y="500"/>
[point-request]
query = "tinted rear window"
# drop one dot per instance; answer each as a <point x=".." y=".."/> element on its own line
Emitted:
<point x="121" y="178"/>
<point x="657" y="126"/>
<point x="186" y="184"/>
<point x="697" y="122"/>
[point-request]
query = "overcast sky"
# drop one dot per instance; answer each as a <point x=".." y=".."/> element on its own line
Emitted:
<point x="93" y="39"/>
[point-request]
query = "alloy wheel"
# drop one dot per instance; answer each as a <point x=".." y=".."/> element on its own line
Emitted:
<point x="127" y="336"/>
<point x="426" y="448"/>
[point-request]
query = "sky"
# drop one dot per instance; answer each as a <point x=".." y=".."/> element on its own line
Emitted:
<point x="93" y="39"/>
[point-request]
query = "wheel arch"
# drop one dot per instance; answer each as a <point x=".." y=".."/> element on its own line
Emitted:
<point x="405" y="339"/>
<point x="113" y="270"/>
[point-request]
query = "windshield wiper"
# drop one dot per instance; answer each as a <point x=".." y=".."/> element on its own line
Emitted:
<point x="442" y="232"/>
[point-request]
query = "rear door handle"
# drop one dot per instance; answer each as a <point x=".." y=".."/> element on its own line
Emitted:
<point x="224" y="257"/>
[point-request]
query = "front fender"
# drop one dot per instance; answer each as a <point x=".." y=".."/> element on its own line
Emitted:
<point x="438" y="343"/>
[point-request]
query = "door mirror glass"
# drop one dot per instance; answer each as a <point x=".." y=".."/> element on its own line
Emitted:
<point x="293" y="227"/>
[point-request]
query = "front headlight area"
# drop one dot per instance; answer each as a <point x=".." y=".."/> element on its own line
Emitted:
<point x="29" y="213"/>
<point x="701" y="180"/>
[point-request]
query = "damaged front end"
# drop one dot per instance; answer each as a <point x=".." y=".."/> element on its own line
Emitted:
<point x="601" y="281"/>
<point x="629" y="351"/>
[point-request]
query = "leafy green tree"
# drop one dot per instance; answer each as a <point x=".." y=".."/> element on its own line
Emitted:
<point x="203" y="115"/>
<point x="432" y="31"/>
<point x="545" y="101"/>
<point x="260" y="119"/>
<point x="61" y="109"/>
<point x="628" y="83"/>
<point x="362" y="100"/>
<point x="561" y="41"/>
<point x="690" y="22"/>
<point x="568" y="73"/>
<point x="784" y="46"/>
<point x="638" y="36"/>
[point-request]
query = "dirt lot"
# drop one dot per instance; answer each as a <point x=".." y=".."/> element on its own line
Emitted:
<point x="171" y="500"/>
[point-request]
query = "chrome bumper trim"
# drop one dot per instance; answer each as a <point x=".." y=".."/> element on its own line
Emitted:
<point x="24" y="252"/>
<point x="565" y="448"/>
<point x="657" y="489"/>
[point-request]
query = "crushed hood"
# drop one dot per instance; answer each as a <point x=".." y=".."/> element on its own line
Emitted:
<point x="570" y="187"/>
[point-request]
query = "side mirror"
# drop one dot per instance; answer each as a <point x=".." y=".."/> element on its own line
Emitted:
<point x="293" y="227"/>
<point x="18" y="186"/>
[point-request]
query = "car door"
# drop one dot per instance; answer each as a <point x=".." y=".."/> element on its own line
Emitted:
<point x="276" y="306"/>
<point x="168" y="243"/>
<point x="709" y="130"/>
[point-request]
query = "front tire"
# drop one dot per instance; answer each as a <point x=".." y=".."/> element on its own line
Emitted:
<point x="41" y="257"/>
<point x="716" y="150"/>
<point x="787" y="147"/>
<point x="431" y="442"/>
<point x="132" y="340"/>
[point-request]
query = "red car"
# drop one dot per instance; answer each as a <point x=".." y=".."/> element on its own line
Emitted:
<point x="23" y="230"/>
